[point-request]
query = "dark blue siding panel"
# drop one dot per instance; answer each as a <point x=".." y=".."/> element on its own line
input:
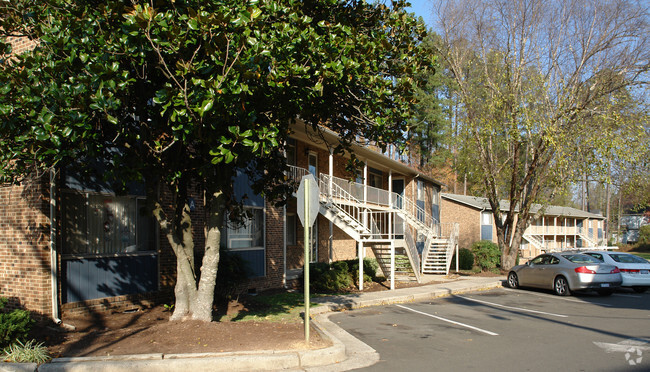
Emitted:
<point x="435" y="212"/>
<point x="420" y="211"/>
<point x="90" y="278"/>
<point x="486" y="232"/>
<point x="255" y="261"/>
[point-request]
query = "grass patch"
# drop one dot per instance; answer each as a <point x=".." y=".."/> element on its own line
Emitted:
<point x="642" y="255"/>
<point x="277" y="307"/>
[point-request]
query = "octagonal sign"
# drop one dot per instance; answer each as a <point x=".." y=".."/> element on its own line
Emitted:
<point x="308" y="182"/>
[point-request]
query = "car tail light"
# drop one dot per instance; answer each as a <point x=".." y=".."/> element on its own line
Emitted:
<point x="630" y="271"/>
<point x="584" y="270"/>
<point x="616" y="270"/>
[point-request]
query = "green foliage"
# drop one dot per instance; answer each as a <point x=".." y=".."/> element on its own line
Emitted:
<point x="326" y="278"/>
<point x="183" y="95"/>
<point x="370" y="267"/>
<point x="465" y="259"/>
<point x="644" y="235"/>
<point x="486" y="254"/>
<point x="14" y="325"/>
<point x="28" y="352"/>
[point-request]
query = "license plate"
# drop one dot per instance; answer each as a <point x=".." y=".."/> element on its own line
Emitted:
<point x="644" y="272"/>
<point x="604" y="285"/>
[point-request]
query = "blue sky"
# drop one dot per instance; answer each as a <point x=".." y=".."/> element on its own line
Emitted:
<point x="422" y="8"/>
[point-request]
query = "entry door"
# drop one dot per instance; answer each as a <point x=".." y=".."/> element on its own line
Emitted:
<point x="398" y="188"/>
<point x="312" y="159"/>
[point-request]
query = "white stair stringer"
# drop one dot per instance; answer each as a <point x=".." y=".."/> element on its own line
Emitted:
<point x="343" y="221"/>
<point x="535" y="240"/>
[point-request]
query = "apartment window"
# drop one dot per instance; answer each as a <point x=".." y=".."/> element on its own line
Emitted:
<point x="291" y="229"/>
<point x="291" y="151"/>
<point x="375" y="178"/>
<point x="420" y="195"/>
<point x="486" y="226"/>
<point x="250" y="234"/>
<point x="104" y="224"/>
<point x="420" y="201"/>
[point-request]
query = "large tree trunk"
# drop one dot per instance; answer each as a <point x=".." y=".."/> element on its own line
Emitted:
<point x="194" y="294"/>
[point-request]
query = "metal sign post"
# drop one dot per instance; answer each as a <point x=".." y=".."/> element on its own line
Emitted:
<point x="308" y="196"/>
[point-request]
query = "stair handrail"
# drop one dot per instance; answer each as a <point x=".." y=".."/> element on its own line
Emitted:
<point x="413" y="211"/>
<point x="415" y="256"/>
<point x="342" y="200"/>
<point x="452" y="243"/>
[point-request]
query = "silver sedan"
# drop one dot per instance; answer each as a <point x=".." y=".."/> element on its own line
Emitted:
<point x="634" y="270"/>
<point x="564" y="272"/>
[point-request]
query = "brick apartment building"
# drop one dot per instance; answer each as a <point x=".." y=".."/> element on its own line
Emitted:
<point x="71" y="244"/>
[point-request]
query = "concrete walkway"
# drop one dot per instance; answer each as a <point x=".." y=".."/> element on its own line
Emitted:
<point x="346" y="351"/>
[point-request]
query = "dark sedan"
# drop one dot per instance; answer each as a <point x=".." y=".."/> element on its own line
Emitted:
<point x="564" y="272"/>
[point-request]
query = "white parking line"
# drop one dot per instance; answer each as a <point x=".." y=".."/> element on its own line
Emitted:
<point x="449" y="321"/>
<point x="513" y="308"/>
<point x="555" y="297"/>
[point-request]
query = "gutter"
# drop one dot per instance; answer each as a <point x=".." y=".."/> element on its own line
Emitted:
<point x="53" y="253"/>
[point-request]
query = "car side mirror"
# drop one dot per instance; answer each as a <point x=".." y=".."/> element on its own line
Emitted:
<point x="527" y="263"/>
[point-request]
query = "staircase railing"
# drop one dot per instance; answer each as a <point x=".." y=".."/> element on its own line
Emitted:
<point x="413" y="252"/>
<point x="452" y="243"/>
<point x="412" y="210"/>
<point x="535" y="240"/>
<point x="343" y="200"/>
<point x="295" y="173"/>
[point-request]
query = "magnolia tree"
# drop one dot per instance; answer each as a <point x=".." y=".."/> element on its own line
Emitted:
<point x="183" y="94"/>
<point x="537" y="82"/>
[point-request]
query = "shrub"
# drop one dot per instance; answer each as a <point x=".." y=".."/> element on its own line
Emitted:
<point x="644" y="235"/>
<point x="14" y="325"/>
<point x="29" y="352"/>
<point x="329" y="278"/>
<point x="370" y="267"/>
<point x="486" y="254"/>
<point x="465" y="259"/>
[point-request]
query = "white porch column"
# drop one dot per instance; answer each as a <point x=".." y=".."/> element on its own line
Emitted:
<point x="392" y="265"/>
<point x="365" y="193"/>
<point x="390" y="203"/>
<point x="365" y="182"/>
<point x="331" y="173"/>
<point x="555" y="231"/>
<point x="361" y="254"/>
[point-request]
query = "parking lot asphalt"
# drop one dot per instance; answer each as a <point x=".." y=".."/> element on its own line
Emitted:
<point x="510" y="330"/>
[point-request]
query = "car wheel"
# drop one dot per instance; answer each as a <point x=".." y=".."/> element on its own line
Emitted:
<point x="605" y="292"/>
<point x="561" y="286"/>
<point x="640" y="289"/>
<point x="513" y="280"/>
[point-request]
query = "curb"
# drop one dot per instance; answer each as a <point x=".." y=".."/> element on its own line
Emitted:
<point x="347" y="352"/>
<point x="426" y="294"/>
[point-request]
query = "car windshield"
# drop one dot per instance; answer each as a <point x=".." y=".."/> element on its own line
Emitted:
<point x="626" y="258"/>
<point x="581" y="259"/>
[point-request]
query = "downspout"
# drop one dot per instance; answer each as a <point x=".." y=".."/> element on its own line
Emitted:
<point x="284" y="247"/>
<point x="53" y="254"/>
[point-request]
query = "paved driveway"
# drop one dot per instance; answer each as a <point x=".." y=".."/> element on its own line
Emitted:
<point x="510" y="330"/>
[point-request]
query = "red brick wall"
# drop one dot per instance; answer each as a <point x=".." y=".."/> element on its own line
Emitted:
<point x="468" y="219"/>
<point x="21" y="44"/>
<point x="24" y="246"/>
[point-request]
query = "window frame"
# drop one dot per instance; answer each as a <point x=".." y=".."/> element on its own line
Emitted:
<point x="86" y="195"/>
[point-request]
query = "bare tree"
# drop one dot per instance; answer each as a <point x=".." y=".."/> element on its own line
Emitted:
<point x="536" y="79"/>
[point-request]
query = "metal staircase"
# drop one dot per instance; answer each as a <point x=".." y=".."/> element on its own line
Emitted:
<point x="535" y="240"/>
<point x="384" y="220"/>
